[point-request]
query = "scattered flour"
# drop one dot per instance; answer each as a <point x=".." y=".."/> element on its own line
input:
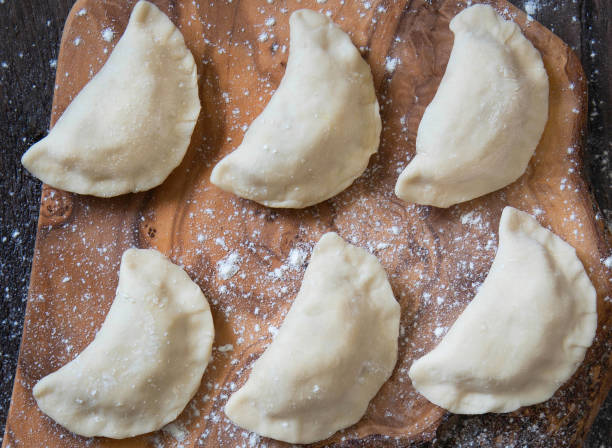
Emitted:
<point x="220" y="241"/>
<point x="176" y="430"/>
<point x="471" y="218"/>
<point x="108" y="34"/>
<point x="229" y="266"/>
<point x="391" y="64"/>
<point x="439" y="331"/>
<point x="297" y="257"/>
<point x="278" y="272"/>
<point x="531" y="7"/>
<point x="273" y="331"/>
<point x="254" y="440"/>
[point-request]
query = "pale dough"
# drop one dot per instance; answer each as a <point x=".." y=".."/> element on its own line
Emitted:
<point x="523" y="335"/>
<point x="487" y="117"/>
<point x="145" y="363"/>
<point x="131" y="124"/>
<point x="316" y="135"/>
<point x="335" y="349"/>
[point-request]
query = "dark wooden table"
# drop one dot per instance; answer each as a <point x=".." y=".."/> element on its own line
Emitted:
<point x="30" y="32"/>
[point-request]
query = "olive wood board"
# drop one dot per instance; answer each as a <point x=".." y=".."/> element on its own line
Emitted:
<point x="435" y="258"/>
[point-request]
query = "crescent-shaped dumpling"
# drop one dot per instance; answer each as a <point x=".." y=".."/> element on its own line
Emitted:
<point x="145" y="363"/>
<point x="316" y="135"/>
<point x="523" y="335"/>
<point x="487" y="117"/>
<point x="335" y="349"/>
<point x="131" y="124"/>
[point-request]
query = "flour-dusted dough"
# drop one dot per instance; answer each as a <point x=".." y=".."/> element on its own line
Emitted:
<point x="145" y="363"/>
<point x="335" y="349"/>
<point x="523" y="335"/>
<point x="317" y="133"/>
<point x="483" y="125"/>
<point x="131" y="124"/>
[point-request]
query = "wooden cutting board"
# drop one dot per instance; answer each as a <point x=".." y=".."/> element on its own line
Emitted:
<point x="435" y="258"/>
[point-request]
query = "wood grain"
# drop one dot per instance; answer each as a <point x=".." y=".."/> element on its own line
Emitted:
<point x="431" y="253"/>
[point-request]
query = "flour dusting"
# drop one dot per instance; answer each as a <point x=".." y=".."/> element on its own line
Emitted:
<point x="229" y="266"/>
<point x="108" y="34"/>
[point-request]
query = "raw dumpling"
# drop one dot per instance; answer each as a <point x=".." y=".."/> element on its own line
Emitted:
<point x="316" y="135"/>
<point x="335" y="349"/>
<point x="483" y="125"/>
<point x="523" y="335"/>
<point x="145" y="363"/>
<point x="131" y="124"/>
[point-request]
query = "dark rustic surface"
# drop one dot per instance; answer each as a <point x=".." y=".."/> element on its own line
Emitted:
<point x="29" y="39"/>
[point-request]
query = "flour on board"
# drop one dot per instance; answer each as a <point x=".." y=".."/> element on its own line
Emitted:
<point x="228" y="267"/>
<point x="108" y="34"/>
